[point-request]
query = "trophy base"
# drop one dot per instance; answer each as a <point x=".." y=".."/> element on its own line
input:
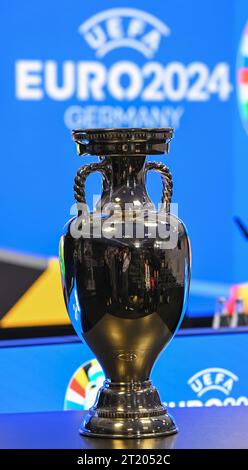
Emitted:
<point x="128" y="410"/>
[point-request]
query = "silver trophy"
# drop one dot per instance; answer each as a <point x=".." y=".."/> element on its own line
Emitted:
<point x="125" y="289"/>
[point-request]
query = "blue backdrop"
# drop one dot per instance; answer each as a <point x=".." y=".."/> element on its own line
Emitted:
<point x="126" y="63"/>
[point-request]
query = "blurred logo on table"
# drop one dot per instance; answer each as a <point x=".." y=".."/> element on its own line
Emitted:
<point x="242" y="78"/>
<point x="123" y="86"/>
<point x="83" y="386"/>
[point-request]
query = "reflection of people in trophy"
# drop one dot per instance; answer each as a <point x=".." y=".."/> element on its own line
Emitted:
<point x="88" y="257"/>
<point x="110" y="260"/>
<point x="147" y="285"/>
<point x="125" y="268"/>
<point x="118" y="263"/>
<point x="154" y="291"/>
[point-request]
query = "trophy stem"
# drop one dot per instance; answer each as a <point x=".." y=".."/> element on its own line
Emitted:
<point x="128" y="410"/>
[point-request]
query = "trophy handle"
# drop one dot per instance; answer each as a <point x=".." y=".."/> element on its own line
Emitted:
<point x="167" y="181"/>
<point x="79" y="183"/>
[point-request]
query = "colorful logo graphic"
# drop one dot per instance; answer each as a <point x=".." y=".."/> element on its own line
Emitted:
<point x="83" y="386"/>
<point x="242" y="78"/>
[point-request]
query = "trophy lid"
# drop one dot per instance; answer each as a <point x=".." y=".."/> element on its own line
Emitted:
<point x="123" y="142"/>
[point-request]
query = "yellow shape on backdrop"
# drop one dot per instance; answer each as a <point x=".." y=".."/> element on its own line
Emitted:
<point x="42" y="304"/>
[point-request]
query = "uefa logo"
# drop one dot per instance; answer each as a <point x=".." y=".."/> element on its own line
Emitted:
<point x="214" y="378"/>
<point x="242" y="78"/>
<point x="214" y="386"/>
<point x="124" y="27"/>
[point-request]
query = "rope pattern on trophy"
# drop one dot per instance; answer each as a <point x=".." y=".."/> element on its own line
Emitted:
<point x="167" y="181"/>
<point x="83" y="173"/>
<point x="105" y="169"/>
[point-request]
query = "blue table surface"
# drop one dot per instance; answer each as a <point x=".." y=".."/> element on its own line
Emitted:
<point x="199" y="428"/>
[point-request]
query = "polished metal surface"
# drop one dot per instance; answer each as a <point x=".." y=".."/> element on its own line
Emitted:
<point x="122" y="142"/>
<point x="126" y="295"/>
<point x="128" y="410"/>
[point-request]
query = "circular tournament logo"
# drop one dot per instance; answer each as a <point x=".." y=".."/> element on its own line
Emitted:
<point x="242" y="78"/>
<point x="83" y="386"/>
